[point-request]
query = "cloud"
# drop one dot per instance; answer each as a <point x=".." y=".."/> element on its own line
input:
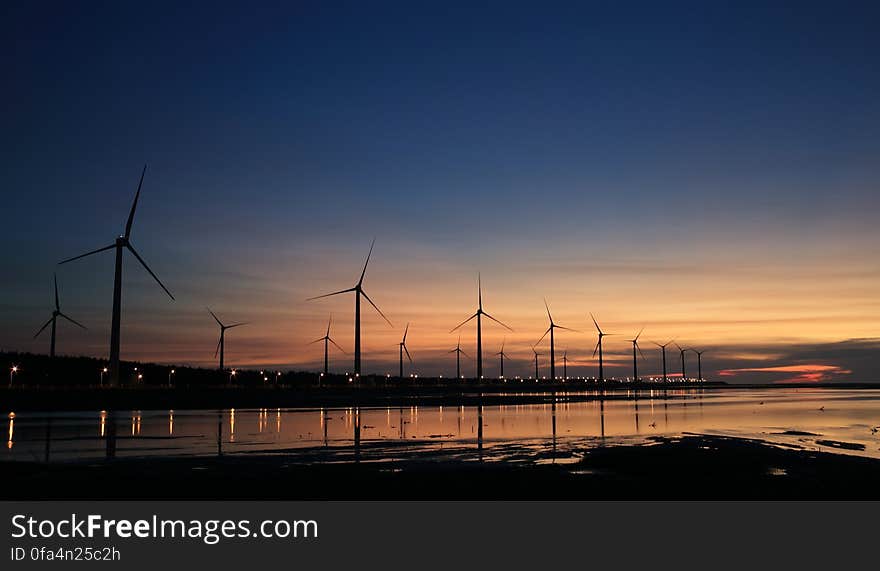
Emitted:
<point x="810" y="372"/>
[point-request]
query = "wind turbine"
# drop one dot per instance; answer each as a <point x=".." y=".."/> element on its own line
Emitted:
<point x="56" y="313"/>
<point x="458" y="351"/>
<point x="663" y="350"/>
<point x="221" y="344"/>
<point x="358" y="290"/>
<point x="552" y="342"/>
<point x="635" y="342"/>
<point x="502" y="355"/>
<point x="479" y="314"/>
<point x="699" y="363"/>
<point x="565" y="364"/>
<point x="599" y="348"/>
<point x="682" y="352"/>
<point x="122" y="242"/>
<point x="404" y="349"/>
<point x="326" y="339"/>
<point x="536" y="362"/>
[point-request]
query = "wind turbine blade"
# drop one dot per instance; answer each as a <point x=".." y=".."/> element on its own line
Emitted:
<point x="596" y="350"/>
<point x="567" y="328"/>
<point x="336" y="345"/>
<point x="503" y="341"/>
<point x="405" y="331"/>
<point x="57" y="302"/>
<point x="329" y="321"/>
<point x="43" y="327"/>
<point x="220" y="323"/>
<point x="70" y="319"/>
<point x="405" y="350"/>
<point x="237" y="324"/>
<point x="87" y="254"/>
<point x="134" y="204"/>
<point x="496" y="321"/>
<point x="462" y="323"/>
<point x="479" y="291"/>
<point x="640" y="334"/>
<point x="640" y="352"/>
<point x="146" y="267"/>
<point x="595" y="323"/>
<point x="363" y="273"/>
<point x="548" y="311"/>
<point x="363" y="293"/>
<point x="329" y="294"/>
<point x="217" y="350"/>
<point x="544" y="335"/>
<point x="465" y="353"/>
<point x="316" y="341"/>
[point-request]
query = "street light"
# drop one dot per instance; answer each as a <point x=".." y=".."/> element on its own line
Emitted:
<point x="12" y="371"/>
<point x="231" y="375"/>
<point x="169" y="376"/>
<point x="140" y="378"/>
<point x="101" y="376"/>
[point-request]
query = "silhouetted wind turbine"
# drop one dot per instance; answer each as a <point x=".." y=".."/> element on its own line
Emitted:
<point x="536" y="362"/>
<point x="221" y="344"/>
<point x="682" y="352"/>
<point x="565" y="364"/>
<point x="663" y="351"/>
<point x="635" y="342"/>
<point x="699" y="363"/>
<point x="326" y="339"/>
<point x="479" y="314"/>
<point x="458" y="352"/>
<point x="552" y="342"/>
<point x="122" y="242"/>
<point x="56" y="313"/>
<point x="502" y="355"/>
<point x="599" y="347"/>
<point x="358" y="292"/>
<point x="403" y="350"/>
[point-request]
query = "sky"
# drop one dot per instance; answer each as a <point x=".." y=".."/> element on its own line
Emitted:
<point x="705" y="170"/>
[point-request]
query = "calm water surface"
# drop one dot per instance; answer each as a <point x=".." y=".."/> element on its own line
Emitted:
<point x="844" y="421"/>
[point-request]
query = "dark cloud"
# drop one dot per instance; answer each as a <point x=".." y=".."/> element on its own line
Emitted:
<point x="851" y="360"/>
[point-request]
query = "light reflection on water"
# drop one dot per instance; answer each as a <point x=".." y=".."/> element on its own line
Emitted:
<point x="828" y="419"/>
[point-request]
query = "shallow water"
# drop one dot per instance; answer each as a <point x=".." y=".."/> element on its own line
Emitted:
<point x="836" y="420"/>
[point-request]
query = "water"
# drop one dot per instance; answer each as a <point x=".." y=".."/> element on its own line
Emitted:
<point x="841" y="421"/>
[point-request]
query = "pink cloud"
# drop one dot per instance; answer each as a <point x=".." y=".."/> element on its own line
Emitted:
<point x="808" y="372"/>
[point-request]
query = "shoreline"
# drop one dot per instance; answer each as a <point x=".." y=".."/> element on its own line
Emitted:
<point x="67" y="399"/>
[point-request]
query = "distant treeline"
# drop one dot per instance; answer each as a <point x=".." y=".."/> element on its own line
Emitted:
<point x="41" y="370"/>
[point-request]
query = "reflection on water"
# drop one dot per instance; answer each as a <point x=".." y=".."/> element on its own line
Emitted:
<point x="827" y="419"/>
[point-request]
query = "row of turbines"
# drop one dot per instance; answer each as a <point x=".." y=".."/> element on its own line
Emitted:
<point x="123" y="243"/>
<point x="478" y="315"/>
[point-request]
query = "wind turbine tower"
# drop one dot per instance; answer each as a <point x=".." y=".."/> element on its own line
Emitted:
<point x="479" y="316"/>
<point x="358" y="291"/>
<point x="122" y="242"/>
<point x="56" y="313"/>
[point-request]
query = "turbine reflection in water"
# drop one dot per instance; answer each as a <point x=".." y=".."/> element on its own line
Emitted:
<point x="558" y="426"/>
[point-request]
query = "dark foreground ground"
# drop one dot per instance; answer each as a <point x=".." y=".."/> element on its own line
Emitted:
<point x="686" y="468"/>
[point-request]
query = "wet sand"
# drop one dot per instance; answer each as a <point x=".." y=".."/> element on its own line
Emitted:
<point x="682" y="468"/>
